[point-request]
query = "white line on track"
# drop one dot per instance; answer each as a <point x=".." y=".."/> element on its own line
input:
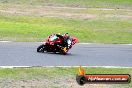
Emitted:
<point x="77" y="43"/>
<point x="63" y="66"/>
<point x="5" y="41"/>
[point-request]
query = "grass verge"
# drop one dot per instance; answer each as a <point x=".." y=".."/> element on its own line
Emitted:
<point x="74" y="3"/>
<point x="57" y="76"/>
<point x="25" y="28"/>
<point x="31" y="20"/>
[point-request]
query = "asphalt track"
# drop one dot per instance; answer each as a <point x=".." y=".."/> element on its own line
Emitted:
<point x="24" y="54"/>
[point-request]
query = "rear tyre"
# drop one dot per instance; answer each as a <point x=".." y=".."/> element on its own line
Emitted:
<point x="41" y="48"/>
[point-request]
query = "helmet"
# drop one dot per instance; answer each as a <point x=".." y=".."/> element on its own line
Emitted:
<point x="58" y="33"/>
<point x="66" y="34"/>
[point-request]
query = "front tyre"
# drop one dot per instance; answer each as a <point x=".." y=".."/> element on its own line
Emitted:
<point x="64" y="51"/>
<point x="41" y="48"/>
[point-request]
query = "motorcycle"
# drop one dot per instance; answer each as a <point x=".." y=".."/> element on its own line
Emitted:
<point x="56" y="44"/>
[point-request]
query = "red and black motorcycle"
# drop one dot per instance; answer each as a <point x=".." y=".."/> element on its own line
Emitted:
<point x="58" y="44"/>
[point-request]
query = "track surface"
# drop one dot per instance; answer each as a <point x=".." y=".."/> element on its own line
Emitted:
<point x="24" y="54"/>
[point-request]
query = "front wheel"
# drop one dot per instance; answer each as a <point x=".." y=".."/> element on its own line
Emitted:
<point x="41" y="48"/>
<point x="64" y="51"/>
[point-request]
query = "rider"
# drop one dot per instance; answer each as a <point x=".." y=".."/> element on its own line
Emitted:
<point x="64" y="38"/>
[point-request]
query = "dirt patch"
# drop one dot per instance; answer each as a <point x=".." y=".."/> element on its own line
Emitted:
<point x="47" y="11"/>
<point x="68" y="12"/>
<point x="63" y="82"/>
<point x="119" y="16"/>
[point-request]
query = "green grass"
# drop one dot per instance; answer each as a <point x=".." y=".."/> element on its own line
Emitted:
<point x="33" y="27"/>
<point x="74" y="3"/>
<point x="58" y="72"/>
<point x="25" y="28"/>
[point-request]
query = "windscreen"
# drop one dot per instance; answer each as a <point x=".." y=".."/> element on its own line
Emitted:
<point x="53" y="38"/>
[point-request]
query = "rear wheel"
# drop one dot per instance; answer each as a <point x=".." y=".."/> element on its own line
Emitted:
<point x="41" y="48"/>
